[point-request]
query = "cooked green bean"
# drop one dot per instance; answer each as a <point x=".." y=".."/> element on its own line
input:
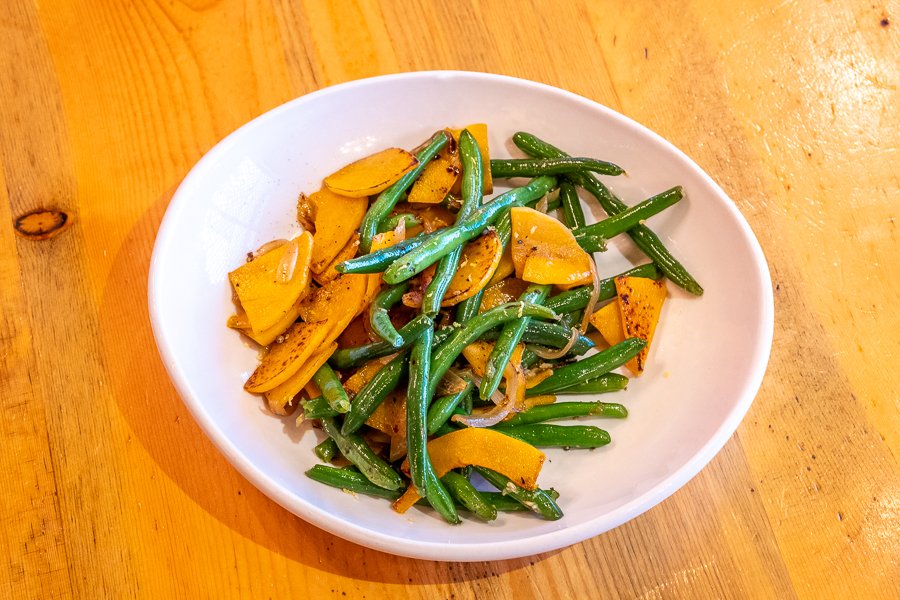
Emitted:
<point x="389" y="197"/>
<point x="374" y="392"/>
<point x="506" y="343"/>
<point x="571" y="319"/>
<point x="469" y="307"/>
<point x="566" y="410"/>
<point x="390" y="223"/>
<point x="554" y="335"/>
<point x="578" y="298"/>
<point x="447" y="352"/>
<point x="378" y="261"/>
<point x="543" y="435"/>
<point x="610" y="382"/>
<point x="354" y="481"/>
<point x="326" y="450"/>
<point x="591" y="367"/>
<point x="380" y="320"/>
<point x="317" y="408"/>
<point x="592" y="238"/>
<point x="421" y="473"/>
<point x="504" y="503"/>
<point x="465" y="493"/>
<point x="472" y="188"/>
<point x="332" y="389"/>
<point x="573" y="214"/>
<point x="353" y="357"/>
<point x="442" y="409"/>
<point x="448" y="239"/>
<point x="643" y="237"/>
<point x="349" y="480"/>
<point x="535" y="167"/>
<point x="355" y="449"/>
<point x="537" y="500"/>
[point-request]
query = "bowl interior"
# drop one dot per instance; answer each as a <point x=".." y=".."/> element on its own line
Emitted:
<point x="706" y="363"/>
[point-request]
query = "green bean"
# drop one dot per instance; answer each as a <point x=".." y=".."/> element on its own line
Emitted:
<point x="555" y="335"/>
<point x="390" y="223"/>
<point x="442" y="409"/>
<point x="354" y="481"/>
<point x="349" y="480"/>
<point x="504" y="503"/>
<point x="389" y="197"/>
<point x="332" y="389"/>
<point x="610" y="382"/>
<point x="591" y="367"/>
<point x="578" y="298"/>
<point x="571" y="319"/>
<point x="448" y="239"/>
<point x="542" y="435"/>
<point x="592" y="238"/>
<point x="380" y="320"/>
<point x="355" y="449"/>
<point x="374" y="392"/>
<point x="447" y="352"/>
<point x="326" y="450"/>
<point x="317" y="408"/>
<point x="535" y="167"/>
<point x="357" y="355"/>
<point x="469" y="307"/>
<point x="573" y="214"/>
<point x="506" y="343"/>
<point x="566" y="410"/>
<point x="421" y="472"/>
<point x="378" y="261"/>
<point x="472" y="188"/>
<point x="643" y="237"/>
<point x="465" y="493"/>
<point x="536" y="500"/>
<point x="549" y="334"/>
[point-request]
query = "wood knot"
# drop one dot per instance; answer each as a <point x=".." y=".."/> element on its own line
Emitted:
<point x="41" y="224"/>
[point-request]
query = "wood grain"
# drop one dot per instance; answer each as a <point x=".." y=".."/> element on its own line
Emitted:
<point x="111" y="490"/>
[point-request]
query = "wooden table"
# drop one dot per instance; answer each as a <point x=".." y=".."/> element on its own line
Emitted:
<point x="109" y="488"/>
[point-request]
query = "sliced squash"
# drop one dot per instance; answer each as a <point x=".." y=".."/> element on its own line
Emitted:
<point x="640" y="303"/>
<point x="282" y="360"/>
<point x="477" y="263"/>
<point x="280" y="397"/>
<point x="337" y="220"/>
<point x="336" y="303"/>
<point x="545" y="251"/>
<point x="372" y="174"/>
<point x="501" y="292"/>
<point x="477" y="354"/>
<point x="483" y="447"/>
<point x="505" y="268"/>
<point x="267" y="336"/>
<point x="437" y="178"/>
<point x="330" y="273"/>
<point x="264" y="288"/>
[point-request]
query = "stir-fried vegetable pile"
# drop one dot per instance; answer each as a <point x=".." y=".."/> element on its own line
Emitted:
<point x="429" y="332"/>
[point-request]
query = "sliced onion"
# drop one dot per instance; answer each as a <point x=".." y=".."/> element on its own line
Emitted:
<point x="552" y="354"/>
<point x="542" y="204"/>
<point x="595" y="296"/>
<point x="269" y="246"/>
<point x="512" y="401"/>
<point x="400" y="231"/>
<point x="454" y="381"/>
<point x="288" y="264"/>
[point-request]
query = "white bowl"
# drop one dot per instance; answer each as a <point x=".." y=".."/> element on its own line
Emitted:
<point x="705" y="367"/>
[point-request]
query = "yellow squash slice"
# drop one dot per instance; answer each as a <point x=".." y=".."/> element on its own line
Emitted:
<point x="282" y="360"/>
<point x="372" y="174"/>
<point x="264" y="286"/>
<point x="545" y="251"/>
